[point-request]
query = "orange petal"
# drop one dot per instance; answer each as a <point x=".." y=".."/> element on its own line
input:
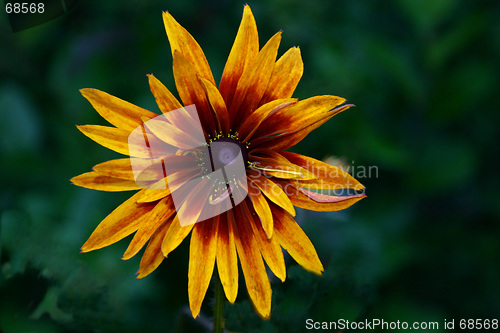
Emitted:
<point x="328" y="176"/>
<point x="153" y="256"/>
<point x="180" y="39"/>
<point x="117" y="140"/>
<point x="118" y="112"/>
<point x="175" y="235"/>
<point x="269" y="247"/>
<point x="286" y="75"/>
<point x="316" y="201"/>
<point x="123" y="221"/>
<point x="244" y="50"/>
<point x="261" y="207"/>
<point x="217" y="103"/>
<point x="202" y="252"/>
<point x="271" y="190"/>
<point x="256" y="279"/>
<point x="254" y="80"/>
<point x="253" y="121"/>
<point x="158" y="215"/>
<point x="227" y="261"/>
<point x="295" y="242"/>
<point x="96" y="181"/>
<point x="191" y="91"/>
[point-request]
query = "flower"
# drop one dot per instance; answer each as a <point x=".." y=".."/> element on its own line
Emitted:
<point x="251" y="112"/>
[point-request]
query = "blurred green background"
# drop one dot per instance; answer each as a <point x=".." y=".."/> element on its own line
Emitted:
<point x="424" y="245"/>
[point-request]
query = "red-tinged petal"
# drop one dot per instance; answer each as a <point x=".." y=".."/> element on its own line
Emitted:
<point x="269" y="247"/>
<point x="253" y="121"/>
<point x="290" y="139"/>
<point x="162" y="212"/>
<point x="117" y="140"/>
<point x="244" y="50"/>
<point x="164" y="98"/>
<point x="153" y="256"/>
<point x="299" y="115"/>
<point x="96" y="181"/>
<point x="274" y="164"/>
<point x="227" y="261"/>
<point x="123" y="221"/>
<point x="261" y="207"/>
<point x="191" y="91"/>
<point x="328" y="176"/>
<point x="295" y="242"/>
<point x="217" y="103"/>
<point x="271" y="190"/>
<point x="316" y="201"/>
<point x="171" y="134"/>
<point x="286" y="76"/>
<point x="180" y="39"/>
<point x="118" y="112"/>
<point x="256" y="279"/>
<point x="253" y="81"/>
<point x="202" y="252"/>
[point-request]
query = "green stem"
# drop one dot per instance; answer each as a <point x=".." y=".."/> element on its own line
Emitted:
<point x="218" y="305"/>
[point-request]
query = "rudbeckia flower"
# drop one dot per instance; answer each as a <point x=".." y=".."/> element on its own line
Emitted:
<point x="250" y="114"/>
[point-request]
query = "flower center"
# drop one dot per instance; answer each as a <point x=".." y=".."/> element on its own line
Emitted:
<point x="225" y="151"/>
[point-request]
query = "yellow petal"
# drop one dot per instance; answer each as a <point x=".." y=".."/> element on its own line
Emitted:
<point x="261" y="207"/>
<point x="191" y="91"/>
<point x="201" y="261"/>
<point x="271" y="190"/>
<point x="254" y="81"/>
<point x="175" y="235"/>
<point x="328" y="176"/>
<point x="123" y="221"/>
<point x="217" y="103"/>
<point x="96" y="181"/>
<point x="295" y="242"/>
<point x="244" y="50"/>
<point x="117" y="140"/>
<point x="120" y="168"/>
<point x="227" y="261"/>
<point x="161" y="213"/>
<point x="164" y="98"/>
<point x="286" y="75"/>
<point x="253" y="121"/>
<point x="269" y="247"/>
<point x="118" y="112"/>
<point x="256" y="279"/>
<point x="153" y="256"/>
<point x="151" y="195"/>
<point x="180" y="39"/>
